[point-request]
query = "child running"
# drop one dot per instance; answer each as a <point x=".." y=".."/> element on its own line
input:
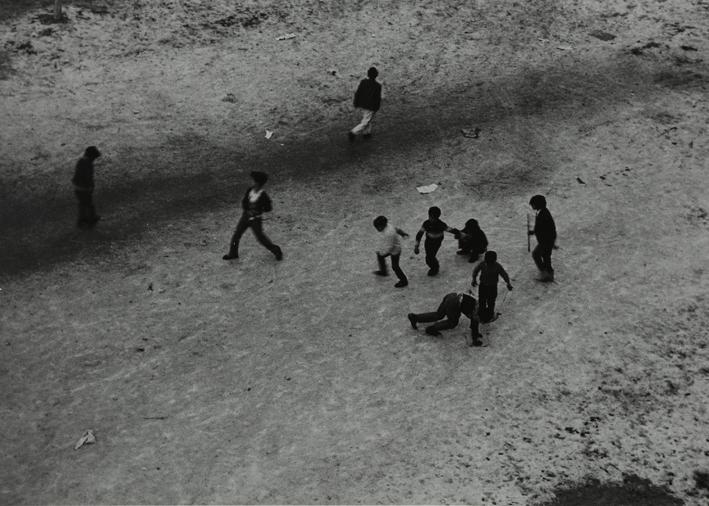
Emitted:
<point x="434" y="228"/>
<point x="390" y="246"/>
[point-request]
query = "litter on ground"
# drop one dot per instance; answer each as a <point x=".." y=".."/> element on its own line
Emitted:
<point x="87" y="439"/>
<point x="427" y="188"/>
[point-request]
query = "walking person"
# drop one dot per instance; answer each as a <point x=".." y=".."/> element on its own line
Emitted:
<point x="390" y="246"/>
<point x="433" y="228"/>
<point x="367" y="99"/>
<point x="472" y="241"/>
<point x="83" y="181"/>
<point x="490" y="271"/>
<point x="255" y="204"/>
<point x="545" y="231"/>
<point x="448" y="314"/>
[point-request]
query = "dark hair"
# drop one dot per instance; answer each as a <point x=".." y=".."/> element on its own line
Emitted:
<point x="471" y="224"/>
<point x="92" y="152"/>
<point x="372" y="73"/>
<point x="434" y="211"/>
<point x="259" y="178"/>
<point x="380" y="222"/>
<point x="538" y="202"/>
<point x="490" y="257"/>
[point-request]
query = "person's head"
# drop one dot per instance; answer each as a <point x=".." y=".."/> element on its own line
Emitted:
<point x="92" y="153"/>
<point x="538" y="202"/>
<point x="434" y="212"/>
<point x="372" y="73"/>
<point x="380" y="223"/>
<point x="490" y="257"/>
<point x="259" y="178"/>
<point x="471" y="224"/>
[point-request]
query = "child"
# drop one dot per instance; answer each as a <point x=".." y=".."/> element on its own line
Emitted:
<point x="545" y="230"/>
<point x="490" y="271"/>
<point x="83" y="181"/>
<point x="472" y="241"/>
<point x="368" y="99"/>
<point x="390" y="245"/>
<point x="255" y="203"/>
<point x="448" y="314"/>
<point x="433" y="227"/>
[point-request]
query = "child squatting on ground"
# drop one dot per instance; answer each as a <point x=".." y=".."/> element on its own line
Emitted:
<point x="389" y="246"/>
<point x="255" y="203"/>
<point x="368" y="99"/>
<point x="448" y="314"/>
<point x="434" y="228"/>
<point x="490" y="272"/>
<point x="472" y="241"/>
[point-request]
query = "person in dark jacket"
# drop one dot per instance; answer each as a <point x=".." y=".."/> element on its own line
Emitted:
<point x="83" y="181"/>
<point x="255" y="203"/>
<point x="368" y="98"/>
<point x="433" y="228"/>
<point x="545" y="231"/>
<point x="490" y="272"/>
<point x="472" y="241"/>
<point x="448" y="314"/>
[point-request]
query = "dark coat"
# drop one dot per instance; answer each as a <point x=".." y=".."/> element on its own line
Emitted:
<point x="544" y="228"/>
<point x="84" y="174"/>
<point x="262" y="204"/>
<point x="368" y="95"/>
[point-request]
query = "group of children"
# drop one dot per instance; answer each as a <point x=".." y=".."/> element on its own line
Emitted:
<point x="472" y="241"/>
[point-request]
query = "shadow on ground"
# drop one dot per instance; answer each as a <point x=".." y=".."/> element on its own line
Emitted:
<point x="38" y="224"/>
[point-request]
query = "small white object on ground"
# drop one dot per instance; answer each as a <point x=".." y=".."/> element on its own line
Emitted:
<point x="286" y="36"/>
<point x="269" y="133"/>
<point x="87" y="439"/>
<point x="427" y="188"/>
<point x="564" y="48"/>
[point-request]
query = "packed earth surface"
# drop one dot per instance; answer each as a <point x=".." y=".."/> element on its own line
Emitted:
<point x="301" y="381"/>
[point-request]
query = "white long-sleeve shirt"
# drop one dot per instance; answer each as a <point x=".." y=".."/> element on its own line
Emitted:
<point x="389" y="242"/>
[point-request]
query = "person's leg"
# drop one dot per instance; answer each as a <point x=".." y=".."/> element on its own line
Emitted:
<point x="381" y="260"/>
<point x="446" y="323"/>
<point x="431" y="246"/>
<point x="482" y="303"/>
<point x="537" y="253"/>
<point x="366" y="119"/>
<point x="367" y="131"/>
<point x="241" y="227"/>
<point x="491" y="298"/>
<point x="433" y="316"/>
<point x="84" y="205"/>
<point x="397" y="270"/>
<point x="257" y="229"/>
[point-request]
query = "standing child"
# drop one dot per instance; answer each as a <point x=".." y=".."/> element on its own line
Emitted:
<point x="448" y="314"/>
<point x="545" y="230"/>
<point x="434" y="228"/>
<point x="368" y="98"/>
<point x="390" y="246"/>
<point x="490" y="272"/>
<point x="255" y="203"/>
<point x="83" y="181"/>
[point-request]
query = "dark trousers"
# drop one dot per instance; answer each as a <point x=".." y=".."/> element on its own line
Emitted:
<point x="256" y="226"/>
<point x="446" y="316"/>
<point x="487" y="294"/>
<point x="542" y="257"/>
<point x="394" y="266"/>
<point x="431" y="247"/>
<point x="469" y="246"/>
<point x="87" y="211"/>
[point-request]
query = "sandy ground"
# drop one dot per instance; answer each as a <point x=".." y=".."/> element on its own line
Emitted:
<point x="301" y="381"/>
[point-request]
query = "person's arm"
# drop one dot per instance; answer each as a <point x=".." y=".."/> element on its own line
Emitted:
<point x="504" y="275"/>
<point x="358" y="94"/>
<point x="419" y="235"/>
<point x="401" y="233"/>
<point x="266" y="206"/>
<point x="475" y="273"/>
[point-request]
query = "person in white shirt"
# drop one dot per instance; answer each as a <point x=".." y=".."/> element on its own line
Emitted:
<point x="389" y="246"/>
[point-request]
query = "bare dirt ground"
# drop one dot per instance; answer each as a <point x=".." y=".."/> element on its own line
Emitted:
<point x="301" y="381"/>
